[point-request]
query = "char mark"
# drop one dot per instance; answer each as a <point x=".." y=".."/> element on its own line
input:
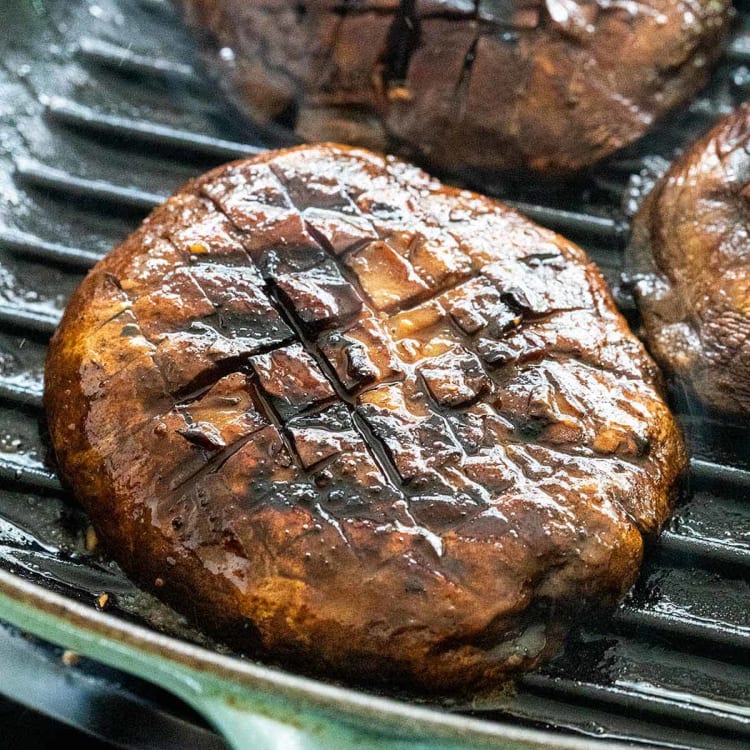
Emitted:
<point x="403" y="40"/>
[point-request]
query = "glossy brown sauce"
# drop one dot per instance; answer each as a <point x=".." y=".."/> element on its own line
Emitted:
<point x="689" y="261"/>
<point x="357" y="418"/>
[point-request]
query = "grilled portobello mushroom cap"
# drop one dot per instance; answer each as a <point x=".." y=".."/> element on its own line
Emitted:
<point x="689" y="264"/>
<point x="365" y="423"/>
<point x="553" y="86"/>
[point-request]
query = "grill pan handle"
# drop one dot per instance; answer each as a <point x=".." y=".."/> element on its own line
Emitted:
<point x="254" y="707"/>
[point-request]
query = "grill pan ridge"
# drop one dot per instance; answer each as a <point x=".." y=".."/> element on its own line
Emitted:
<point x="103" y="112"/>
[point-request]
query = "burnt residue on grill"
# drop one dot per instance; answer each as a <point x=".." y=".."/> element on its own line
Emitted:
<point x="94" y="91"/>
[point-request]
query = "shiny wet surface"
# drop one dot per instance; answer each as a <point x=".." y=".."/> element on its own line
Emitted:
<point x="52" y="550"/>
<point x="502" y="449"/>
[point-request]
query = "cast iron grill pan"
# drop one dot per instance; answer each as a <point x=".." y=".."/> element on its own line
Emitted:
<point x="103" y="112"/>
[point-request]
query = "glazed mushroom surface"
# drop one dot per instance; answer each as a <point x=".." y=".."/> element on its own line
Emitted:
<point x="362" y="422"/>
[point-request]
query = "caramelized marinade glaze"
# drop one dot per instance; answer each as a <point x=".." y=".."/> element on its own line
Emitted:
<point x="689" y="263"/>
<point x="361" y="421"/>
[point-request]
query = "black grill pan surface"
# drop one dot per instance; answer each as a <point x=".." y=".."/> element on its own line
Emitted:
<point x="104" y="110"/>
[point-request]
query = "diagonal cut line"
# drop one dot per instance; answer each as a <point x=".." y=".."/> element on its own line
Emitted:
<point x="374" y="445"/>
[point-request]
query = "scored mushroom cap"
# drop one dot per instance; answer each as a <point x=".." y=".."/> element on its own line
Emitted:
<point x="551" y="86"/>
<point x="362" y="421"/>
